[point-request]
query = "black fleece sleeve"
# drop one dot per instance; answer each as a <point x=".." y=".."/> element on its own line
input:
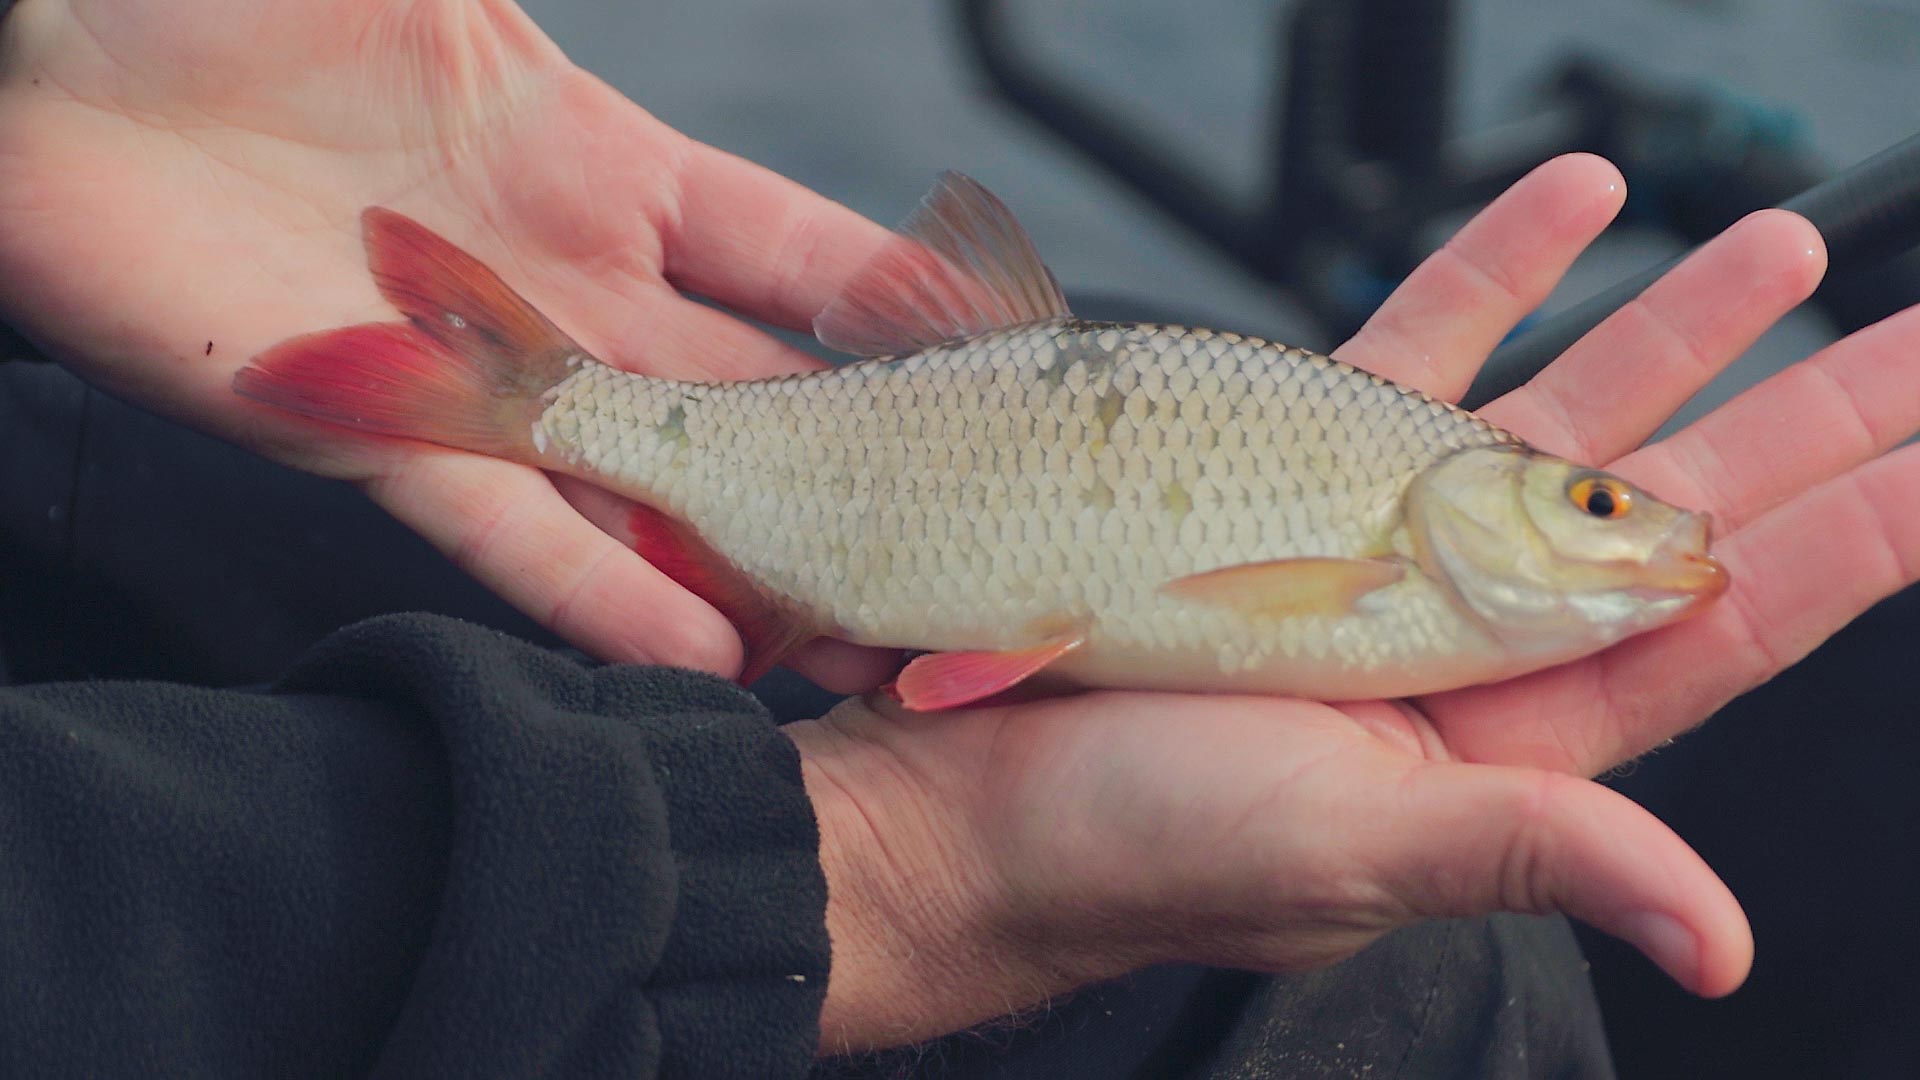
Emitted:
<point x="431" y="850"/>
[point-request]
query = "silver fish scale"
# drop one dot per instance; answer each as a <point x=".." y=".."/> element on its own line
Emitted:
<point x="987" y="494"/>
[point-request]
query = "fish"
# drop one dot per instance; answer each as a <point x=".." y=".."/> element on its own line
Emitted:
<point x="1016" y="494"/>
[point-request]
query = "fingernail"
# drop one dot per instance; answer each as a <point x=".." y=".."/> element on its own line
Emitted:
<point x="1670" y="944"/>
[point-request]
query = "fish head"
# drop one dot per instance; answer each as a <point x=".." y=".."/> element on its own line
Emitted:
<point x="1555" y="558"/>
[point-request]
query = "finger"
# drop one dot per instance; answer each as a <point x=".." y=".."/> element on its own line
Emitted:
<point x="628" y="316"/>
<point x="1437" y="328"/>
<point x="1850" y="402"/>
<point x="1800" y="428"/>
<point x="663" y="333"/>
<point x="843" y="667"/>
<point x="1473" y="839"/>
<point x="507" y="526"/>
<point x="1799" y="574"/>
<point x="1618" y="384"/>
<point x="760" y="243"/>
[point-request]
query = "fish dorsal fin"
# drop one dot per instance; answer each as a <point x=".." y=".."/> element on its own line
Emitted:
<point x="961" y="265"/>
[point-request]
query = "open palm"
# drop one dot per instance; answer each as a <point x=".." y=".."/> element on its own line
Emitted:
<point x="1273" y="833"/>
<point x="180" y="188"/>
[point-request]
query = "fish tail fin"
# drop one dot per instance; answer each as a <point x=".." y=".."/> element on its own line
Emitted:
<point x="467" y="369"/>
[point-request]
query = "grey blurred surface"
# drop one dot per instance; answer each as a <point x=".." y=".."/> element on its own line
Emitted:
<point x="866" y="100"/>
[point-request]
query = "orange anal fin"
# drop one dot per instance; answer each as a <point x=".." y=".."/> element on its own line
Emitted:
<point x="1282" y="587"/>
<point x="951" y="679"/>
<point x="674" y="549"/>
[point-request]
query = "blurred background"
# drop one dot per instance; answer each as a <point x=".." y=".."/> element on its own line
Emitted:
<point x="1143" y="143"/>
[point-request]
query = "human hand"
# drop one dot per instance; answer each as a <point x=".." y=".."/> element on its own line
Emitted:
<point x="1029" y="848"/>
<point x="235" y="227"/>
<point x="181" y="187"/>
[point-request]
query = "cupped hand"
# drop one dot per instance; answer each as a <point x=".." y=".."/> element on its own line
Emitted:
<point x="1086" y="836"/>
<point x="181" y="185"/>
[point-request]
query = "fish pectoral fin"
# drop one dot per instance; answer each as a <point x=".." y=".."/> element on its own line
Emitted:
<point x="1281" y="587"/>
<point x="949" y="680"/>
<point x="961" y="265"/>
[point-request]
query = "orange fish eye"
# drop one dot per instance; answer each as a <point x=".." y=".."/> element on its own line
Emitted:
<point x="1601" y="496"/>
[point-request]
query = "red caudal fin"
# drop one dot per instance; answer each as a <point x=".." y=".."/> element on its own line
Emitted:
<point x="951" y="679"/>
<point x="467" y="369"/>
<point x="454" y="297"/>
<point x="678" y="552"/>
<point x="391" y="379"/>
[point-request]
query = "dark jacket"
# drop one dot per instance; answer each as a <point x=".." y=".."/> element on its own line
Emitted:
<point x="429" y="850"/>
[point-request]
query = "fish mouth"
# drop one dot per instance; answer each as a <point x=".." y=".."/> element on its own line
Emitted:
<point x="1694" y="574"/>
<point x="1681" y="564"/>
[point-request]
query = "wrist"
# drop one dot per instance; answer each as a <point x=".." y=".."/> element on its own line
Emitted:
<point x="927" y="937"/>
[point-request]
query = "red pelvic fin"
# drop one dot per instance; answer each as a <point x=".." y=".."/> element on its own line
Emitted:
<point x="678" y="552"/>
<point x="467" y="371"/>
<point x="952" y="679"/>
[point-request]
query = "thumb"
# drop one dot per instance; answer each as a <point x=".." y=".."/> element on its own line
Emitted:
<point x="1480" y="838"/>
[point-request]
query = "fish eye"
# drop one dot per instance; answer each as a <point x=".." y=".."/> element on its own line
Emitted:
<point x="1601" y="496"/>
